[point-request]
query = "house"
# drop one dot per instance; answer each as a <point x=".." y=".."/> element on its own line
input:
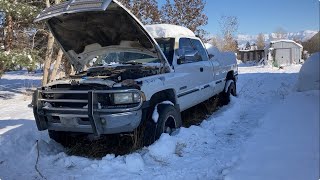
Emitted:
<point x="283" y="52"/>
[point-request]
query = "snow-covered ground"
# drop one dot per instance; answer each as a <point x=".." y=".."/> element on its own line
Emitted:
<point x="269" y="131"/>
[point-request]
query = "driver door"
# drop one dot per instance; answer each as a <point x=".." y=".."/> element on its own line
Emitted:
<point x="193" y="64"/>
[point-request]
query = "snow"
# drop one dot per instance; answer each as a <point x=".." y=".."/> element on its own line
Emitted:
<point x="268" y="117"/>
<point x="224" y="58"/>
<point x="164" y="148"/>
<point x="168" y="31"/>
<point x="287" y="144"/>
<point x="289" y="41"/>
<point x="212" y="50"/>
<point x="134" y="162"/>
<point x="155" y="114"/>
<point x="309" y="76"/>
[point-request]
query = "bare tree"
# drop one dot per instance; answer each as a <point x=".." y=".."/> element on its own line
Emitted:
<point x="229" y="26"/>
<point x="56" y="65"/>
<point x="49" y="53"/>
<point x="260" y="41"/>
<point x="48" y="57"/>
<point x="217" y="41"/>
<point x="187" y="13"/>
<point x="145" y="10"/>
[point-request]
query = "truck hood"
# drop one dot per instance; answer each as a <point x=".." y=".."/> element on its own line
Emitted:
<point x="86" y="26"/>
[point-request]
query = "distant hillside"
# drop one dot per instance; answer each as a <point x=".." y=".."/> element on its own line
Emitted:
<point x="300" y="36"/>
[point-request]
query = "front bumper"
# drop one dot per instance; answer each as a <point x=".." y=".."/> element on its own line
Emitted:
<point x="90" y="119"/>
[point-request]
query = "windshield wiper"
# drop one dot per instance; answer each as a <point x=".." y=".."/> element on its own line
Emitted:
<point x="132" y="63"/>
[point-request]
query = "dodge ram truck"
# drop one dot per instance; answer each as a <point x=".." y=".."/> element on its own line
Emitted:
<point x="127" y="75"/>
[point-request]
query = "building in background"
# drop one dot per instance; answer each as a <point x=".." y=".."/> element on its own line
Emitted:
<point x="251" y="54"/>
<point x="283" y="53"/>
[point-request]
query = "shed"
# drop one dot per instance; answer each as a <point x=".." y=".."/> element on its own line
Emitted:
<point x="251" y="55"/>
<point x="284" y="52"/>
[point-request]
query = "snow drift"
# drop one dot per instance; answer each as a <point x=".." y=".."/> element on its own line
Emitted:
<point x="309" y="74"/>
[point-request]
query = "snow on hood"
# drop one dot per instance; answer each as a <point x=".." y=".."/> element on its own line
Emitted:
<point x="168" y="31"/>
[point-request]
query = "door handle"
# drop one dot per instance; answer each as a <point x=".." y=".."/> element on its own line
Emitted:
<point x="201" y="69"/>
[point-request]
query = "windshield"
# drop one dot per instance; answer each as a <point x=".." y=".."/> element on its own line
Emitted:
<point x="167" y="47"/>
<point x="123" y="58"/>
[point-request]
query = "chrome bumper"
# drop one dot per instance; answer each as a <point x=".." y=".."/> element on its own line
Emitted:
<point x="90" y="119"/>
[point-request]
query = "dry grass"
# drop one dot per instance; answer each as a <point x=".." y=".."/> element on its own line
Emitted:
<point x="196" y="114"/>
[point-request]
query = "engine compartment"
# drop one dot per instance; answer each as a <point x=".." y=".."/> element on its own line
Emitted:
<point x="122" y="73"/>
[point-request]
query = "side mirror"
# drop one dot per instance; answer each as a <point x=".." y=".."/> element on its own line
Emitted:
<point x="185" y="57"/>
<point x="180" y="56"/>
<point x="210" y="56"/>
<point x="191" y="54"/>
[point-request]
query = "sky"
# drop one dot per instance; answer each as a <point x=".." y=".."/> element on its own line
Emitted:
<point x="263" y="16"/>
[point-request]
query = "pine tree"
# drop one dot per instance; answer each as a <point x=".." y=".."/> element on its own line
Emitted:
<point x="19" y="14"/>
<point x="248" y="45"/>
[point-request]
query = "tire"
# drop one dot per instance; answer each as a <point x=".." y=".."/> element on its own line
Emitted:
<point x="225" y="96"/>
<point x="167" y="114"/>
<point x="168" y="121"/>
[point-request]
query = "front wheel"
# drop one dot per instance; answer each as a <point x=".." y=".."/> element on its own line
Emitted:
<point x="169" y="120"/>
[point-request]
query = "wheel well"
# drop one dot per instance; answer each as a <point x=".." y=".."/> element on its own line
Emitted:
<point x="171" y="122"/>
<point x="165" y="95"/>
<point x="230" y="75"/>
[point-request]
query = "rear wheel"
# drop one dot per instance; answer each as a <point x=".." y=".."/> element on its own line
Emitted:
<point x="225" y="96"/>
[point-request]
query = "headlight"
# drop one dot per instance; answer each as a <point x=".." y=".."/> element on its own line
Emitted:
<point x="126" y="98"/>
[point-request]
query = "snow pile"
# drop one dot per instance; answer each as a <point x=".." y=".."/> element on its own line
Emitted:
<point x="287" y="144"/>
<point x="164" y="147"/>
<point x="212" y="50"/>
<point x="224" y="58"/>
<point x="309" y="76"/>
<point x="134" y="162"/>
<point x="211" y="150"/>
<point x="168" y="31"/>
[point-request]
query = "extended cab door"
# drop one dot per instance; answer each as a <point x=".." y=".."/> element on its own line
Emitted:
<point x="196" y="83"/>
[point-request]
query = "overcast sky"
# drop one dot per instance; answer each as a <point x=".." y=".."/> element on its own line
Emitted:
<point x="264" y="16"/>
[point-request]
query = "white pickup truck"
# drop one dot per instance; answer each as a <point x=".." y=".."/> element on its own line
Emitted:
<point x="129" y="77"/>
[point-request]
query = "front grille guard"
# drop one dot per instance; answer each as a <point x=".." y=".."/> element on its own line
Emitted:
<point x="92" y="111"/>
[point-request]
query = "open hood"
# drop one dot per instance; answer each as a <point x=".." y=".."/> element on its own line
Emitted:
<point x="82" y="27"/>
